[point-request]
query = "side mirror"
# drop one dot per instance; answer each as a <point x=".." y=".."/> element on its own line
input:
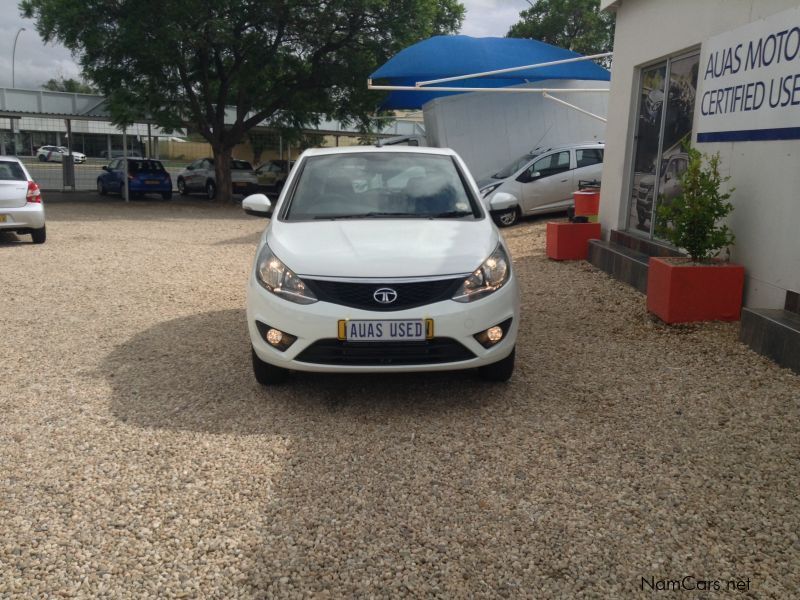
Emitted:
<point x="105" y="167"/>
<point x="190" y="168"/>
<point x="503" y="201"/>
<point x="257" y="205"/>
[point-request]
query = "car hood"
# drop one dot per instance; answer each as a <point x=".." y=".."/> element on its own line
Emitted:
<point x="383" y="247"/>
<point x="488" y="181"/>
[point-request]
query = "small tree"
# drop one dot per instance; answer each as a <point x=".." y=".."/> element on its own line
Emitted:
<point x="690" y="220"/>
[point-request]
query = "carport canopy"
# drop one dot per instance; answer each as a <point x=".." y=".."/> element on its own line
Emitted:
<point x="449" y="56"/>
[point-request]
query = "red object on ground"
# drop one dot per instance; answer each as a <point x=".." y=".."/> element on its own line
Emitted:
<point x="587" y="203"/>
<point x="570" y="241"/>
<point x="684" y="292"/>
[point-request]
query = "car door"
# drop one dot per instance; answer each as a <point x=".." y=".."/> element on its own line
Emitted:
<point x="196" y="178"/>
<point x="116" y="176"/>
<point x="548" y="183"/>
<point x="205" y="173"/>
<point x="588" y="165"/>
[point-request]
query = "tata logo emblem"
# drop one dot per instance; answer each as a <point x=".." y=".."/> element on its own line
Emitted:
<point x="385" y="295"/>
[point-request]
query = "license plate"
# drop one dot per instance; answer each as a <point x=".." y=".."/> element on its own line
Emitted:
<point x="152" y="181"/>
<point x="3" y="218"/>
<point x="386" y="331"/>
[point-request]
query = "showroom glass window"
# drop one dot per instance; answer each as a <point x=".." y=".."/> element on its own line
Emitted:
<point x="667" y="93"/>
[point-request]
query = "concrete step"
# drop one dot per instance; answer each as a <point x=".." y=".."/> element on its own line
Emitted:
<point x="622" y="263"/>
<point x="775" y="333"/>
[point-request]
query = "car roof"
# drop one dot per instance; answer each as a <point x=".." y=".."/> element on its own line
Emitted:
<point x="380" y="149"/>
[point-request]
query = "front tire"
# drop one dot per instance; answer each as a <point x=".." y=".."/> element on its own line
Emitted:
<point x="182" y="188"/>
<point x="42" y="158"/>
<point x="101" y="188"/>
<point x="39" y="235"/>
<point x="211" y="190"/>
<point x="267" y="374"/>
<point x="506" y="218"/>
<point x="500" y="371"/>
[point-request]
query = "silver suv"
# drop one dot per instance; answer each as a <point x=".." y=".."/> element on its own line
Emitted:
<point x="200" y="176"/>
<point x="541" y="181"/>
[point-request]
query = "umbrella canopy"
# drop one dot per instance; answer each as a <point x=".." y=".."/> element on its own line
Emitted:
<point x="454" y="55"/>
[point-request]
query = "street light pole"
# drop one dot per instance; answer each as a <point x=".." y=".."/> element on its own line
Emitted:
<point x="14" y="55"/>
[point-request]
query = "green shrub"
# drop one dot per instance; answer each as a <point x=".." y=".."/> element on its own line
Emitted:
<point x="690" y="220"/>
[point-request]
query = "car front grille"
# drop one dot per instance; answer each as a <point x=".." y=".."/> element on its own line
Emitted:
<point x="362" y="295"/>
<point x="375" y="354"/>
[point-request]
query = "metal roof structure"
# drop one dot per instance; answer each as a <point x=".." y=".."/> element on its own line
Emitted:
<point x="16" y="102"/>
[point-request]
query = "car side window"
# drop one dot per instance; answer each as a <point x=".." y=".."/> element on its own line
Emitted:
<point x="114" y="165"/>
<point x="587" y="157"/>
<point x="551" y="165"/>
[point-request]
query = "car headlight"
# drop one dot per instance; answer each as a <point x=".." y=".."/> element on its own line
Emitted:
<point x="488" y="278"/>
<point x="279" y="279"/>
<point x="490" y="188"/>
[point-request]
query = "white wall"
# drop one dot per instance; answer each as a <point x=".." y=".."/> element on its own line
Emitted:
<point x="766" y="175"/>
<point x="489" y="130"/>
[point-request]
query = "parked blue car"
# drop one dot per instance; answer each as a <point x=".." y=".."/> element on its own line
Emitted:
<point x="145" y="176"/>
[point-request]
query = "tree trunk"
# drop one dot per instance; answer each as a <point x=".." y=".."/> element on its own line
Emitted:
<point x="222" y="170"/>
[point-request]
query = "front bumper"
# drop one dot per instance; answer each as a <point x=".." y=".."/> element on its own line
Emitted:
<point x="30" y="216"/>
<point x="453" y="321"/>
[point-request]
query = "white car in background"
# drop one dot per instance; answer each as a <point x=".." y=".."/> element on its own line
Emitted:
<point x="57" y="154"/>
<point x="21" y="208"/>
<point x="376" y="260"/>
<point x="542" y="181"/>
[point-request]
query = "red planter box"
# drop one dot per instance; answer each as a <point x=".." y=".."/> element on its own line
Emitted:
<point x="570" y="241"/>
<point x="587" y="203"/>
<point x="681" y="292"/>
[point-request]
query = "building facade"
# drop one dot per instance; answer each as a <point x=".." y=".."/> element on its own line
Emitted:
<point x="725" y="75"/>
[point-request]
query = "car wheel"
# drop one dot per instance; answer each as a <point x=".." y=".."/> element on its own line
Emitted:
<point x="506" y="218"/>
<point x="166" y="195"/>
<point x="211" y="190"/>
<point x="39" y="235"/>
<point x="267" y="374"/>
<point x="101" y="188"/>
<point x="42" y="158"/>
<point x="499" y="371"/>
<point x="182" y="188"/>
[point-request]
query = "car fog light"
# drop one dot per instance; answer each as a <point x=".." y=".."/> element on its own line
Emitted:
<point x="489" y="337"/>
<point x="495" y="334"/>
<point x="280" y="340"/>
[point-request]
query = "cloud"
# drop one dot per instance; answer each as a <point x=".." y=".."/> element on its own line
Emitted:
<point x="491" y="18"/>
<point x="36" y="62"/>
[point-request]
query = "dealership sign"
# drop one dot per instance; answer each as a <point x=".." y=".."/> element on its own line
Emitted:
<point x="749" y="82"/>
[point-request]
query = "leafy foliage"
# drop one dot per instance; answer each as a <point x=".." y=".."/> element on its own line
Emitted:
<point x="574" y="24"/>
<point x="73" y="86"/>
<point x="288" y="63"/>
<point x="690" y="220"/>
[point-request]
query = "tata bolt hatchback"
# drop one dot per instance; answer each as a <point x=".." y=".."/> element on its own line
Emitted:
<point x="380" y="259"/>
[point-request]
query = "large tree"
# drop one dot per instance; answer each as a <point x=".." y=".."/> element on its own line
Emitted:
<point x="286" y="62"/>
<point x="574" y="24"/>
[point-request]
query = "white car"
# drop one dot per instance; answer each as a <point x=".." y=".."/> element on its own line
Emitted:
<point x="542" y="181"/>
<point x="380" y="259"/>
<point x="57" y="154"/>
<point x="21" y="208"/>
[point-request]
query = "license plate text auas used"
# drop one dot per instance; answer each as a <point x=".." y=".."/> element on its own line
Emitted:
<point x="416" y="329"/>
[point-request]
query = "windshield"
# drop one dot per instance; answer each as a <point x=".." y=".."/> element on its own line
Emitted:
<point x="372" y="185"/>
<point x="514" y="166"/>
<point x="241" y="165"/>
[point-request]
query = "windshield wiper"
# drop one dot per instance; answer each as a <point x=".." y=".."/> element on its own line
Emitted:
<point x="452" y="214"/>
<point x="368" y="215"/>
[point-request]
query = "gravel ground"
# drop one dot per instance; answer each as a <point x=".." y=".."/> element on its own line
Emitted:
<point x="138" y="456"/>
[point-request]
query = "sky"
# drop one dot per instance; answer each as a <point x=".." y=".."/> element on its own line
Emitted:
<point x="37" y="62"/>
